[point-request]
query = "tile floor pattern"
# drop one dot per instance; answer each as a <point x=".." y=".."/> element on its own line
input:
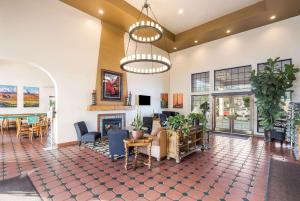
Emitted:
<point x="234" y="169"/>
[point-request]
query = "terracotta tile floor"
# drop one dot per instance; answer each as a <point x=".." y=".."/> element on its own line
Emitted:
<point x="234" y="169"/>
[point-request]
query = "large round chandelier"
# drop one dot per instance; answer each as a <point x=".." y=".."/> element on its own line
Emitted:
<point x="146" y="31"/>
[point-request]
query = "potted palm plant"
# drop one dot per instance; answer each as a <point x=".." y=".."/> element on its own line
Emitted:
<point x="268" y="87"/>
<point x="137" y="123"/>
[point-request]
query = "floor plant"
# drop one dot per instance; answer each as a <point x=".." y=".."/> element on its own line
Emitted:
<point x="268" y="87"/>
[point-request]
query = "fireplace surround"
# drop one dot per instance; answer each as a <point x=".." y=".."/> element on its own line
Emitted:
<point x="109" y="121"/>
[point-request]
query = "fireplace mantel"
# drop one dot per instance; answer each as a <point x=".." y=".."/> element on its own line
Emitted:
<point x="109" y="107"/>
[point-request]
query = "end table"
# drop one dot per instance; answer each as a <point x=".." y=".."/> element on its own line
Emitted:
<point x="144" y="142"/>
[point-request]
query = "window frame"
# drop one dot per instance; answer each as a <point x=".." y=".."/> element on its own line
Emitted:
<point x="232" y="79"/>
<point x="206" y="84"/>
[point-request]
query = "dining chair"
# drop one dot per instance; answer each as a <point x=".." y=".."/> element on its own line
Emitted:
<point x="23" y="129"/>
<point x="44" y="127"/>
<point x="35" y="130"/>
<point x="4" y="125"/>
<point x="1" y="128"/>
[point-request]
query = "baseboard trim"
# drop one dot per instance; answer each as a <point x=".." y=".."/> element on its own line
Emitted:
<point x="67" y="144"/>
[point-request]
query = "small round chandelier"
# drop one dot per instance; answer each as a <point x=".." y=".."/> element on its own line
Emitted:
<point x="145" y="31"/>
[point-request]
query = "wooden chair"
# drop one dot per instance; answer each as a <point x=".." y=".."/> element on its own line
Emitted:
<point x="44" y="127"/>
<point x="35" y="129"/>
<point x="23" y="130"/>
<point x="4" y="126"/>
<point x="1" y="128"/>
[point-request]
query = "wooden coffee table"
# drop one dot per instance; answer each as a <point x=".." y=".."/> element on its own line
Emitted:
<point x="144" y="142"/>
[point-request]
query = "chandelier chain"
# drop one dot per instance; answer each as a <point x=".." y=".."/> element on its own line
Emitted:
<point x="141" y="32"/>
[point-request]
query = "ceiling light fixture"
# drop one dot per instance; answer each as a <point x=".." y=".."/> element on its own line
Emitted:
<point x="228" y="31"/>
<point x="273" y="17"/>
<point x="180" y="11"/>
<point x="147" y="31"/>
<point x="101" y="12"/>
<point x="196" y="41"/>
<point x="175" y="48"/>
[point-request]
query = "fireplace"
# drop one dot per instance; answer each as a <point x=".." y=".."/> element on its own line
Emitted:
<point x="110" y="121"/>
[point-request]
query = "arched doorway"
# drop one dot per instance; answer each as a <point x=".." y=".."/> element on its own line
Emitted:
<point x="27" y="90"/>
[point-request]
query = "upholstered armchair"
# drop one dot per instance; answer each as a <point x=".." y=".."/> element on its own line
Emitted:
<point x="83" y="135"/>
<point x="148" y="122"/>
<point x="163" y="120"/>
<point x="159" y="143"/>
<point x="115" y="142"/>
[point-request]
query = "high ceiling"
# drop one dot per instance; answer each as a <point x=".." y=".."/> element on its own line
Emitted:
<point x="195" y="12"/>
<point x="201" y="21"/>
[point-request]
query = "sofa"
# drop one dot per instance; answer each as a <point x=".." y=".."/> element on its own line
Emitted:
<point x="159" y="143"/>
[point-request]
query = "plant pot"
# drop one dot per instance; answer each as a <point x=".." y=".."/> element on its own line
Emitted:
<point x="196" y="122"/>
<point x="137" y="134"/>
<point x="267" y="135"/>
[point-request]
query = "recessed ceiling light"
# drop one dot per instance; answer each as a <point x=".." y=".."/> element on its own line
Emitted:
<point x="273" y="17"/>
<point x="175" y="48"/>
<point x="101" y="12"/>
<point x="180" y="11"/>
<point x="195" y="41"/>
<point x="228" y="31"/>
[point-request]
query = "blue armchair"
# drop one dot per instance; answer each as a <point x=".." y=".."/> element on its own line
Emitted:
<point x="83" y="135"/>
<point x="148" y="123"/>
<point x="115" y="142"/>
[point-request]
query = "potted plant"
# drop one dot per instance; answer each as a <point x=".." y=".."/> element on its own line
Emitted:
<point x="268" y="87"/>
<point x="137" y="123"/>
<point x="178" y="123"/>
<point x="294" y="128"/>
<point x="204" y="107"/>
<point x="196" y="118"/>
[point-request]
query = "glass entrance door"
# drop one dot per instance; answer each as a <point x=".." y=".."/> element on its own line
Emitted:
<point x="233" y="114"/>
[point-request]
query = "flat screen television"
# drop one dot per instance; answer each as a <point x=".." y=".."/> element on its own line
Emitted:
<point x="144" y="100"/>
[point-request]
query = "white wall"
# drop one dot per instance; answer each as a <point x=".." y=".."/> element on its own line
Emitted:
<point x="62" y="41"/>
<point x="151" y="85"/>
<point x="20" y="75"/>
<point x="279" y="39"/>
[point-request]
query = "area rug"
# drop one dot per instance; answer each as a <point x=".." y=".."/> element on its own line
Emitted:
<point x="284" y="181"/>
<point x="101" y="147"/>
<point x="18" y="189"/>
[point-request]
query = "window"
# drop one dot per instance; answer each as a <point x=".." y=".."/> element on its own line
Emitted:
<point x="279" y="65"/>
<point x="233" y="78"/>
<point x="198" y="100"/>
<point x="200" y="82"/>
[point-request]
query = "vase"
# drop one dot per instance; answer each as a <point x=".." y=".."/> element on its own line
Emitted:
<point x="94" y="97"/>
<point x="137" y="134"/>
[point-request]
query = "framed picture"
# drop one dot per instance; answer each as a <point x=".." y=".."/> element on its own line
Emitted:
<point x="164" y="100"/>
<point x="177" y="100"/>
<point x="31" y="96"/>
<point x="8" y="96"/>
<point x="111" y="86"/>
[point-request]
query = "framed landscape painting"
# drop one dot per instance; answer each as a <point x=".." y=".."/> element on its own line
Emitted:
<point x="164" y="100"/>
<point x="111" y="86"/>
<point x="8" y="96"/>
<point x="31" y="97"/>
<point x="177" y="100"/>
